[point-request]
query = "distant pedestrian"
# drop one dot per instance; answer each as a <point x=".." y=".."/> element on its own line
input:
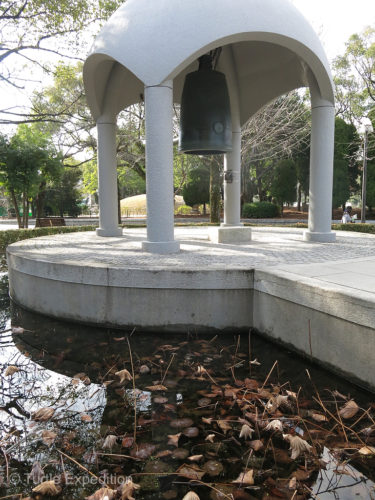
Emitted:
<point x="347" y="215"/>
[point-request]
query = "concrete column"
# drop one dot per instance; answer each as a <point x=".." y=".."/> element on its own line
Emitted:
<point x="232" y="161"/>
<point x="159" y="170"/>
<point x="232" y="183"/>
<point x="321" y="169"/>
<point x="107" y="178"/>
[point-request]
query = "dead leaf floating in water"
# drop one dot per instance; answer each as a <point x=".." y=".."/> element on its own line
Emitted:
<point x="173" y="439"/>
<point x="297" y="445"/>
<point x="124" y="376"/>
<point x="48" y="437"/>
<point x="110" y="441"/>
<point x="224" y="426"/>
<point x="210" y="438"/>
<point x="43" y="414"/>
<point x="191" y="496"/>
<point x="11" y="370"/>
<point x="47" y="488"/>
<point x="36" y="473"/>
<point x="274" y="425"/>
<point x="367" y="450"/>
<point x="246" y="431"/>
<point x="157" y="387"/>
<point x="256" y="445"/>
<point x="191" y="471"/>
<point x="246" y="477"/>
<point x="128" y="489"/>
<point x="17" y="330"/>
<point x="318" y="417"/>
<point x="102" y="494"/>
<point x="349" y="410"/>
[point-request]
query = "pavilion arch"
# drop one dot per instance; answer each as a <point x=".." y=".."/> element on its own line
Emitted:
<point x="268" y="49"/>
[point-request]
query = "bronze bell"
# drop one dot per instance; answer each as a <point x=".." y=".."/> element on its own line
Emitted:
<point x="205" y="121"/>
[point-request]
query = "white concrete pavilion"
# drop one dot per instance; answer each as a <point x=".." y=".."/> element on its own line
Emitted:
<point x="147" y="48"/>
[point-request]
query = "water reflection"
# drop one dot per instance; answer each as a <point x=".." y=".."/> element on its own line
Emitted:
<point x="190" y="397"/>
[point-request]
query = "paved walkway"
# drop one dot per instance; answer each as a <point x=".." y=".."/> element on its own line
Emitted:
<point x="349" y="262"/>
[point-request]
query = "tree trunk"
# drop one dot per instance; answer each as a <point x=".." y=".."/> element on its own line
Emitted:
<point x="14" y="199"/>
<point x="39" y="200"/>
<point x="27" y="214"/>
<point x="24" y="210"/>
<point x="215" y="193"/>
<point x="299" y="197"/>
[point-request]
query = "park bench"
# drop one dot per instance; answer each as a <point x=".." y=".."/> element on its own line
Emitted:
<point x="49" y="221"/>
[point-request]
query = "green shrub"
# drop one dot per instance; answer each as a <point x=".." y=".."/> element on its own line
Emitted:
<point x="12" y="235"/>
<point x="260" y="210"/>
<point x="358" y="228"/>
<point x="183" y="210"/>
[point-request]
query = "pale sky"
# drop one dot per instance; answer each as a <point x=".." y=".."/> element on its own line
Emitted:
<point x="333" y="20"/>
<point x="336" y="20"/>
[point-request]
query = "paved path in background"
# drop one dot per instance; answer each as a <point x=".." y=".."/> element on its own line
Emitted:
<point x="349" y="262"/>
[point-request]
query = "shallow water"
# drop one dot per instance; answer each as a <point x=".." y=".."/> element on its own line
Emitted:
<point x="191" y="400"/>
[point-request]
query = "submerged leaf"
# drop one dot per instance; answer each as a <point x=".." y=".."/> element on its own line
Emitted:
<point x="173" y="439"/>
<point x="246" y="431"/>
<point x="210" y="438"/>
<point x="191" y="471"/>
<point x="47" y="488"/>
<point x="224" y="426"/>
<point x="256" y="445"/>
<point x="128" y="489"/>
<point x="367" y="450"/>
<point x="102" y="494"/>
<point x="318" y="417"/>
<point x="246" y="477"/>
<point x="11" y="370"/>
<point x="48" y="437"/>
<point x="85" y="417"/>
<point x="297" y="445"/>
<point x="349" y="409"/>
<point x="110" y="441"/>
<point x="36" y="473"/>
<point x="124" y="376"/>
<point x="274" y="425"/>
<point x="191" y="496"/>
<point x="157" y="387"/>
<point x="43" y="414"/>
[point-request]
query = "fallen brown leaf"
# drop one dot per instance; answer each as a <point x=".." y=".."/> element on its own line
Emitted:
<point x="11" y="370"/>
<point x="43" y="414"/>
<point x="157" y="387"/>
<point x="246" y="477"/>
<point x="349" y="410"/>
<point x="191" y="471"/>
<point x="48" y="437"/>
<point x="47" y="488"/>
<point x="173" y="439"/>
<point x="102" y="494"/>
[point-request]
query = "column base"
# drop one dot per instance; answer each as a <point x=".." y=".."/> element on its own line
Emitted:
<point x="116" y="231"/>
<point x="230" y="234"/>
<point x="161" y="247"/>
<point x="319" y="237"/>
<point x="224" y="224"/>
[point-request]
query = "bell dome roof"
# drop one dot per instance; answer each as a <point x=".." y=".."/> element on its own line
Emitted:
<point x="147" y="42"/>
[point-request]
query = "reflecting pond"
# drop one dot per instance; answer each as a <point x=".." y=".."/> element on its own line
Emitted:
<point x="101" y="414"/>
